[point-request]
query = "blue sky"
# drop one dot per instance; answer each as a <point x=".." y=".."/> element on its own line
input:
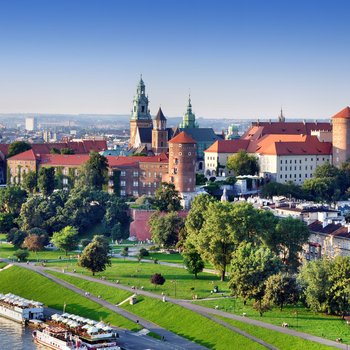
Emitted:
<point x="237" y="58"/>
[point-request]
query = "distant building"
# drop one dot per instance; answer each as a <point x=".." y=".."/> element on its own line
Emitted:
<point x="31" y="124"/>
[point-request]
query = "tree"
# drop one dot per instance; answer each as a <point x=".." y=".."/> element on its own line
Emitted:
<point x="6" y="222"/>
<point x="291" y="234"/>
<point x="67" y="151"/>
<point x="215" y="241"/>
<point x="21" y="254"/>
<point x="16" y="237"/>
<point x="167" y="198"/>
<point x="34" y="242"/>
<point x="84" y="242"/>
<point x="322" y="189"/>
<point x="96" y="255"/>
<point x="18" y="147"/>
<point x="165" y="228"/>
<point x="250" y="268"/>
<point x="196" y="216"/>
<point x="289" y="189"/>
<point x="157" y="279"/>
<point x="142" y="253"/>
<point x="11" y="199"/>
<point x="281" y="289"/>
<point x="200" y="179"/>
<point x="340" y="285"/>
<point x="193" y="262"/>
<point x="243" y="163"/>
<point x="94" y="173"/>
<point x="46" y="180"/>
<point x="125" y="252"/>
<point x="29" y="182"/>
<point x="314" y="279"/>
<point x="66" y="239"/>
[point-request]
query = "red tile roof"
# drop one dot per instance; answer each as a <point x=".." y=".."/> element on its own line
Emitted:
<point x="27" y="155"/>
<point x="343" y="114"/>
<point x="259" y="129"/>
<point x="73" y="160"/>
<point x="228" y="146"/>
<point x="182" y="138"/>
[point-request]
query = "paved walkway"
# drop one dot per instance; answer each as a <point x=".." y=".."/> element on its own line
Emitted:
<point x="173" y="341"/>
<point x="209" y="312"/>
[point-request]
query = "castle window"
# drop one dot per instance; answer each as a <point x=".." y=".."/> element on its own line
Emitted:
<point x="122" y="192"/>
<point x="161" y="143"/>
<point x="135" y="173"/>
<point x="122" y="183"/>
<point x="175" y="171"/>
<point x="180" y="153"/>
<point x="143" y="109"/>
<point x="189" y="153"/>
<point x="172" y="179"/>
<point x="135" y="193"/>
<point x="135" y="183"/>
<point x="134" y="108"/>
<point x="176" y="161"/>
<point x="122" y="173"/>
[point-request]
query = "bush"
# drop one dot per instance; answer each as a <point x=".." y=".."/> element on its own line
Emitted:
<point x="144" y="252"/>
<point x="21" y="254"/>
<point x="153" y="248"/>
<point x="157" y="279"/>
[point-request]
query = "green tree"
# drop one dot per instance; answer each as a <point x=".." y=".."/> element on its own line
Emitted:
<point x="16" y="237"/>
<point x="46" y="180"/>
<point x="340" y="285"/>
<point x="250" y="268"/>
<point x="29" y="182"/>
<point x="18" y="147"/>
<point x="21" y="254"/>
<point x="196" y="215"/>
<point x="243" y="163"/>
<point x="215" y="241"/>
<point x="289" y="189"/>
<point x="200" y="179"/>
<point x="165" y="228"/>
<point x="11" y="199"/>
<point x="67" y="151"/>
<point x="281" y="290"/>
<point x="322" y="189"/>
<point x="167" y="198"/>
<point x="66" y="239"/>
<point x="291" y="234"/>
<point x="96" y="255"/>
<point x="193" y="262"/>
<point x="94" y="173"/>
<point x="6" y="222"/>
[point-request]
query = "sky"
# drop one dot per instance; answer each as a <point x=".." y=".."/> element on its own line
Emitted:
<point x="238" y="59"/>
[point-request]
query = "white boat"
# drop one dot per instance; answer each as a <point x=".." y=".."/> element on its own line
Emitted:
<point x="59" y="338"/>
<point x="19" y="309"/>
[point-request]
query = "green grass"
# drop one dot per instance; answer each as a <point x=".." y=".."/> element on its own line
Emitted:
<point x="2" y="264"/>
<point x="31" y="285"/>
<point x="137" y="274"/>
<point x="175" y="318"/>
<point x="172" y="258"/>
<point x="299" y="318"/>
<point x="279" y="340"/>
<point x="2" y="236"/>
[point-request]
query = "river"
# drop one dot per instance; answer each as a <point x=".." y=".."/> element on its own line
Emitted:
<point x="13" y="336"/>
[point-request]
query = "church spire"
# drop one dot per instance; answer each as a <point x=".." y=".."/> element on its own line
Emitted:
<point x="140" y="109"/>
<point x="189" y="118"/>
<point x="281" y="117"/>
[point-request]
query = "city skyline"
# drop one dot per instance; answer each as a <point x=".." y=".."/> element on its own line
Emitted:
<point x="237" y="59"/>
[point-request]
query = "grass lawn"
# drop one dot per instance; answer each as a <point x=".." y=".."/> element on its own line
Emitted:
<point x="2" y="236"/>
<point x="31" y="285"/>
<point x="2" y="264"/>
<point x="175" y="318"/>
<point x="172" y="258"/>
<point x="299" y="318"/>
<point x="178" y="280"/>
<point x="279" y="340"/>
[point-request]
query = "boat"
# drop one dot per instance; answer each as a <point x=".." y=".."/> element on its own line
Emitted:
<point x="72" y="332"/>
<point x="20" y="309"/>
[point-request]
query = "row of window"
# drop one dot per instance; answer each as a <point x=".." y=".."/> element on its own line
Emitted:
<point x="306" y="160"/>
<point x="295" y="176"/>
<point x="295" y="168"/>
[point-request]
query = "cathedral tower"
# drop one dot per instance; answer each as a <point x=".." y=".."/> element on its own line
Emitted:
<point x="140" y="114"/>
<point x="159" y="133"/>
<point x="189" y="118"/>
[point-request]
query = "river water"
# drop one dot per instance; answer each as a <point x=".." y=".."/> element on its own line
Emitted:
<point x="13" y="336"/>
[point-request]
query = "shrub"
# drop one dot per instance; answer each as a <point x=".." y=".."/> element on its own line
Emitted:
<point x="157" y="279"/>
<point x="21" y="254"/>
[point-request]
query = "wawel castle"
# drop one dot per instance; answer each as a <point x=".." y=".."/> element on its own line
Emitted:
<point x="287" y="151"/>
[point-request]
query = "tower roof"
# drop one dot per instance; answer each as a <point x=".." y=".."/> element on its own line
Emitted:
<point x="160" y="115"/>
<point x="182" y="138"/>
<point x="343" y="114"/>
